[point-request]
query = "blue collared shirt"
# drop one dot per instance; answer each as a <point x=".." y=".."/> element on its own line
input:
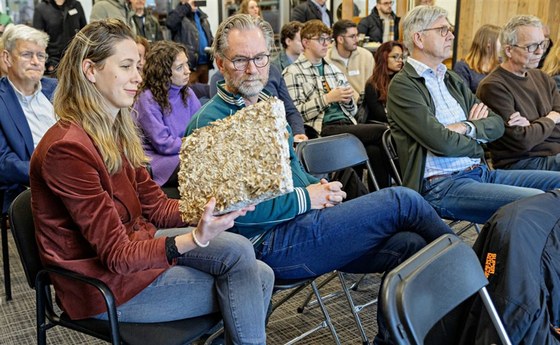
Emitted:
<point x="448" y="111"/>
<point x="38" y="111"/>
<point x="325" y="16"/>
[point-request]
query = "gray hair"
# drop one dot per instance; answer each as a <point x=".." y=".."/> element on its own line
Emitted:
<point x="24" y="33"/>
<point x="508" y="37"/>
<point x="240" y="22"/>
<point x="418" y="19"/>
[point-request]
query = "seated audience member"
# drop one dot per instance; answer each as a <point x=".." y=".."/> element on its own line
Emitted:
<point x="189" y="26"/>
<point x="290" y="39"/>
<point x="382" y="24"/>
<point x="25" y="105"/>
<point x="310" y="231"/>
<point x="355" y="62"/>
<point x="526" y="98"/>
<point x="389" y="59"/>
<point x="145" y="23"/>
<point x="163" y="108"/>
<point x="92" y="193"/>
<point x="552" y="65"/>
<point x="546" y="32"/>
<point x="324" y="97"/>
<point x="276" y="87"/>
<point x="439" y="128"/>
<point x="313" y="9"/>
<point x="482" y="58"/>
<point x="60" y="20"/>
<point x="143" y="48"/>
<point x="250" y="7"/>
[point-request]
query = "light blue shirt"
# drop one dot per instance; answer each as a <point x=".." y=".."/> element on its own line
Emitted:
<point x="38" y="111"/>
<point x="448" y="111"/>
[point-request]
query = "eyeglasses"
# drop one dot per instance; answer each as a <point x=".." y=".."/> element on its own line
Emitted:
<point x="241" y="63"/>
<point x="322" y="40"/>
<point x="531" y="48"/>
<point x="443" y="30"/>
<point x="352" y="37"/>
<point x="28" y="56"/>
<point x="398" y="57"/>
<point x="387" y="3"/>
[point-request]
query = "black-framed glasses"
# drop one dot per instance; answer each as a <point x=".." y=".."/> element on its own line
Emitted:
<point x="531" y="48"/>
<point x="443" y="30"/>
<point x="241" y="63"/>
<point x="322" y="39"/>
<point x="398" y="57"/>
<point x="28" y="56"/>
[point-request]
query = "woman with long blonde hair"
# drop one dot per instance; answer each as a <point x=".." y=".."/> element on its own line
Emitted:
<point x="552" y="64"/>
<point x="482" y="58"/>
<point x="98" y="211"/>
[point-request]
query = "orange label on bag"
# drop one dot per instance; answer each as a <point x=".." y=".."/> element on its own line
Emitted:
<point x="490" y="265"/>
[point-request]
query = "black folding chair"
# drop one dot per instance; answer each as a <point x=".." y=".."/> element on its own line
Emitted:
<point x="430" y="284"/>
<point x="5" y="251"/>
<point x="324" y="156"/>
<point x="391" y="151"/>
<point x="173" y="332"/>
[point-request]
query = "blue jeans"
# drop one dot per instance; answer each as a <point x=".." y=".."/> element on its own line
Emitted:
<point x="370" y="234"/>
<point x="475" y="195"/>
<point x="222" y="277"/>
<point x="537" y="163"/>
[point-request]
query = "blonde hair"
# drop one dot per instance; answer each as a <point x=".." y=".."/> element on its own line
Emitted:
<point x="483" y="50"/>
<point x="552" y="62"/>
<point x="244" y="7"/>
<point x="78" y="101"/>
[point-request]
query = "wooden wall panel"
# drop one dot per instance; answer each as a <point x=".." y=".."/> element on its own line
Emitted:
<point x="474" y="13"/>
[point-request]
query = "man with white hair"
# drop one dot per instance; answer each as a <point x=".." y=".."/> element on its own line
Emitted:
<point x="25" y="105"/>
<point x="439" y="127"/>
<point x="526" y="98"/>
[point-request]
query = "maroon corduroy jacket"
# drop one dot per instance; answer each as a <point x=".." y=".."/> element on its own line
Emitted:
<point x="95" y="223"/>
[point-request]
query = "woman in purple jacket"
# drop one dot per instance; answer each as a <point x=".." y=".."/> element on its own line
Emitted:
<point x="164" y="107"/>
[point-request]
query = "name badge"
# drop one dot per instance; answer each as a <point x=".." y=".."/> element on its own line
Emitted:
<point x="353" y="73"/>
<point x="73" y="12"/>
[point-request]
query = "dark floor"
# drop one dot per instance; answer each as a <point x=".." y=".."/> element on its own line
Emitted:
<point x="17" y="317"/>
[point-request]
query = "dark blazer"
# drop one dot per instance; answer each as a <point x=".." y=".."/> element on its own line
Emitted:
<point x="16" y="141"/>
<point x="308" y="11"/>
<point x="372" y="26"/>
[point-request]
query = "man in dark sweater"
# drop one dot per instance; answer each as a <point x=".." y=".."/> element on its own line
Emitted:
<point x="525" y="98"/>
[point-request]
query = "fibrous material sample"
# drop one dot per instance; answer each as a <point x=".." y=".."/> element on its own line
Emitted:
<point x="240" y="160"/>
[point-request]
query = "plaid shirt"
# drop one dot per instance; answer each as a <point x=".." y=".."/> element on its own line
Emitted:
<point x="448" y="111"/>
<point x="305" y="86"/>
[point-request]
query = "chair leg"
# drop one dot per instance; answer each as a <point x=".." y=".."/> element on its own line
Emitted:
<point x="355" y="309"/>
<point x="6" y="258"/>
<point x="325" y="313"/>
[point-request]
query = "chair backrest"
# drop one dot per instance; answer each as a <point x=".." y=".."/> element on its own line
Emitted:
<point x="391" y="152"/>
<point x="427" y="286"/>
<point x="23" y="231"/>
<point x="324" y="155"/>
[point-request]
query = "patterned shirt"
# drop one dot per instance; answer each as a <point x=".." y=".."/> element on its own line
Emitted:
<point x="448" y="111"/>
<point x="306" y="88"/>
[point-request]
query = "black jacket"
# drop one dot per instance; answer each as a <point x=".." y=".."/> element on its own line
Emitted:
<point x="61" y="23"/>
<point x="308" y="11"/>
<point x="182" y="24"/>
<point x="519" y="248"/>
<point x="372" y="26"/>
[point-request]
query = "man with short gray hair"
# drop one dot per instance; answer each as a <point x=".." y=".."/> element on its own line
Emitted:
<point x="439" y="127"/>
<point x="25" y="105"/>
<point x="526" y="98"/>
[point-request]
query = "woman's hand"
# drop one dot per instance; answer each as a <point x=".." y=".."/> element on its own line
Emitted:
<point x="209" y="226"/>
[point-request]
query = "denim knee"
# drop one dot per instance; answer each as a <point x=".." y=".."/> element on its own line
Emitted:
<point x="240" y="251"/>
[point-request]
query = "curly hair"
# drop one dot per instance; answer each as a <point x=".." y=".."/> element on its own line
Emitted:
<point x="381" y="75"/>
<point x="157" y="72"/>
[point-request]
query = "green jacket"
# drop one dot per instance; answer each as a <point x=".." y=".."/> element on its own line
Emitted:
<point x="415" y="129"/>
<point x="267" y="214"/>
